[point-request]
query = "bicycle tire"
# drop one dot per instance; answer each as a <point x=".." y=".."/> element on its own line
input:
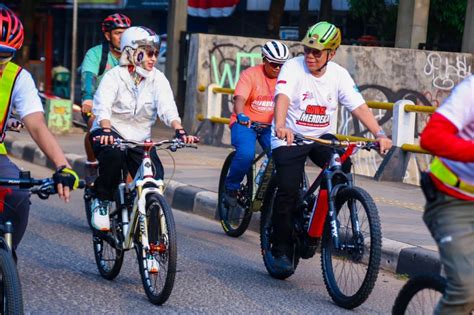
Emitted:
<point x="244" y="200"/>
<point x="410" y="301"/>
<point x="265" y="235"/>
<point x="108" y="257"/>
<point x="366" y="256"/>
<point x="87" y="206"/>
<point x="12" y="298"/>
<point x="159" y="212"/>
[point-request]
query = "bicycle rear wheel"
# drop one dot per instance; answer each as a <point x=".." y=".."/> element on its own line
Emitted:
<point x="108" y="257"/>
<point x="12" y="299"/>
<point x="419" y="295"/>
<point x="350" y="272"/>
<point x="163" y="249"/>
<point x="235" y="221"/>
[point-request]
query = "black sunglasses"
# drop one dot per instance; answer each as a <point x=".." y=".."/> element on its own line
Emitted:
<point x="315" y="52"/>
<point x="151" y="53"/>
<point x="274" y="65"/>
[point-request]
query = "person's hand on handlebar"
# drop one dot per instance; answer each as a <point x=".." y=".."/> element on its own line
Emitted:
<point x="385" y="142"/>
<point x="86" y="107"/>
<point x="285" y="133"/>
<point x="105" y="136"/>
<point x="181" y="134"/>
<point x="65" y="180"/>
<point x="243" y="119"/>
<point x="14" y="124"/>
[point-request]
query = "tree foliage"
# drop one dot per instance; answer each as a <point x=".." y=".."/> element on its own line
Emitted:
<point x="449" y="14"/>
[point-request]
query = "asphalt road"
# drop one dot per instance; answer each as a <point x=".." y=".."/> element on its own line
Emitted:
<point x="216" y="274"/>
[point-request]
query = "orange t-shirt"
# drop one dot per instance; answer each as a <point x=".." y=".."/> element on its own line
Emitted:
<point x="258" y="90"/>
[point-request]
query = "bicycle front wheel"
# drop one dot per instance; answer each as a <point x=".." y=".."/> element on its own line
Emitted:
<point x="108" y="255"/>
<point x="351" y="270"/>
<point x="12" y="299"/>
<point x="235" y="220"/>
<point x="158" y="263"/>
<point x="419" y="295"/>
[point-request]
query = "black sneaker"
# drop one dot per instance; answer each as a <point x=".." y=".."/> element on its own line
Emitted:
<point x="283" y="264"/>
<point x="230" y="198"/>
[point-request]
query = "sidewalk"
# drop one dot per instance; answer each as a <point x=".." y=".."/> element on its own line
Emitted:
<point x="407" y="246"/>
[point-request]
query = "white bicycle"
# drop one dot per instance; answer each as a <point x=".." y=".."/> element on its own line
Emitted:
<point x="141" y="218"/>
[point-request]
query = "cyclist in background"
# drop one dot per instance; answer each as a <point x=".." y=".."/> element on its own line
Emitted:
<point x="97" y="61"/>
<point x="449" y="192"/>
<point x="253" y="101"/>
<point x="307" y="94"/>
<point x="126" y="105"/>
<point x="18" y="92"/>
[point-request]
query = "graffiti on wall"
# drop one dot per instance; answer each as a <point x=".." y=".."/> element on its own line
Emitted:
<point x="445" y="75"/>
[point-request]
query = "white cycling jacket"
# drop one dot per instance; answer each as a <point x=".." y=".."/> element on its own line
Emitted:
<point x="132" y="110"/>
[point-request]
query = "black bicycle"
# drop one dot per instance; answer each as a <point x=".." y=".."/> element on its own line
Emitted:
<point x="342" y="218"/>
<point x="11" y="301"/>
<point x="419" y="295"/>
<point x="235" y="220"/>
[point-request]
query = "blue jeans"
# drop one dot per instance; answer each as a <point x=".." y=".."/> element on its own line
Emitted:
<point x="243" y="139"/>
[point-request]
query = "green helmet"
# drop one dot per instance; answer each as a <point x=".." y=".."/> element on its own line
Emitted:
<point x="322" y="35"/>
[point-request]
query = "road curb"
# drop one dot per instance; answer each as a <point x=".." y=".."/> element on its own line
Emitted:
<point x="397" y="257"/>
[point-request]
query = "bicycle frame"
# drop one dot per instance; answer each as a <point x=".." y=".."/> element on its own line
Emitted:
<point x="329" y="171"/>
<point x="259" y="190"/>
<point x="144" y="176"/>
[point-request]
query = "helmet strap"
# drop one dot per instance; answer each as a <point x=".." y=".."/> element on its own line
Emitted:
<point x="325" y="64"/>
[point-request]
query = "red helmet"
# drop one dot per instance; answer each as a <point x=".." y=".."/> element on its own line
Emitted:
<point x="11" y="36"/>
<point x="116" y="20"/>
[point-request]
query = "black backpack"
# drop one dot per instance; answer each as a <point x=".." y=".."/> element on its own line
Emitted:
<point x="103" y="58"/>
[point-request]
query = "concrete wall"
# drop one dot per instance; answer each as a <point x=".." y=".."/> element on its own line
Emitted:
<point x="382" y="74"/>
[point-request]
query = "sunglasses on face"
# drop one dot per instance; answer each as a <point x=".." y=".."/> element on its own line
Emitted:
<point x="151" y="53"/>
<point x="315" y="52"/>
<point x="6" y="55"/>
<point x="274" y="65"/>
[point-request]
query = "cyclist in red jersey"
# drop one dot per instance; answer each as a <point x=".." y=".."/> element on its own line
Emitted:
<point x="449" y="192"/>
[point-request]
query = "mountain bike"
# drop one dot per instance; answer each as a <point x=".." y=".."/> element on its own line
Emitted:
<point x="11" y="301"/>
<point x="342" y="218"/>
<point x="419" y="295"/>
<point x="141" y="218"/>
<point x="235" y="220"/>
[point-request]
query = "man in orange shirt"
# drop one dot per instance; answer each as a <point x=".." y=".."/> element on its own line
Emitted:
<point x="253" y="101"/>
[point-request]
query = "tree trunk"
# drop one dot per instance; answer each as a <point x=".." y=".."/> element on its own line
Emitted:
<point x="304" y="14"/>
<point x="274" y="18"/>
<point x="325" y="11"/>
<point x="27" y="11"/>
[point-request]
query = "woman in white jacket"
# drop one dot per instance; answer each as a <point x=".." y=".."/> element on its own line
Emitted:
<point x="127" y="103"/>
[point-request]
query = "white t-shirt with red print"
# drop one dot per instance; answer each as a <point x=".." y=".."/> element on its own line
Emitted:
<point x="313" y="101"/>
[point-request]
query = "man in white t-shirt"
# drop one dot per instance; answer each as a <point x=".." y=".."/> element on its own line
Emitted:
<point x="307" y="94"/>
<point x="449" y="192"/>
<point x="18" y="92"/>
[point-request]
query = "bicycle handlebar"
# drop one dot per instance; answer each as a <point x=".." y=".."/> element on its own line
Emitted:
<point x="174" y="144"/>
<point x="41" y="187"/>
<point x="365" y="145"/>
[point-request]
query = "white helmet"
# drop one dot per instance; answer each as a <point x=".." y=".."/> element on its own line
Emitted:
<point x="275" y="51"/>
<point x="136" y="36"/>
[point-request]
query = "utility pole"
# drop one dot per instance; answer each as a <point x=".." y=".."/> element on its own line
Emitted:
<point x="412" y="23"/>
<point x="177" y="23"/>
<point x="74" y="48"/>
<point x="468" y="35"/>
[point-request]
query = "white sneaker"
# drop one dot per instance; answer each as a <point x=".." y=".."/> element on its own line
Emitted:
<point x="100" y="215"/>
<point x="152" y="264"/>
